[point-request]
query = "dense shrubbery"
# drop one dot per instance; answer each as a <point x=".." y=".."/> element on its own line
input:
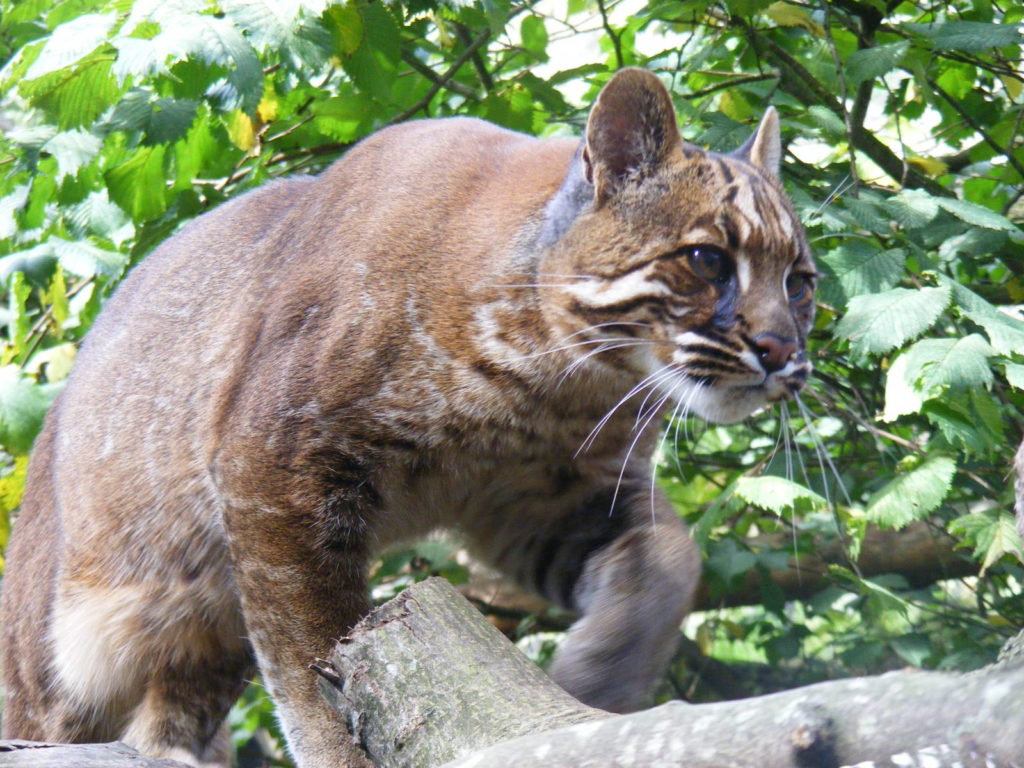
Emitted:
<point x="123" y="120"/>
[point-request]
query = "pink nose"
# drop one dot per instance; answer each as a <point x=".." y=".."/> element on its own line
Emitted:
<point x="774" y="351"/>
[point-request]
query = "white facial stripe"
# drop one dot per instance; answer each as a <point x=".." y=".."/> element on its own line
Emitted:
<point x="743" y="272"/>
<point x="596" y="293"/>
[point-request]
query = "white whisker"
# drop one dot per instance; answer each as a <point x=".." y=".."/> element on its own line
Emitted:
<point x="651" y="380"/>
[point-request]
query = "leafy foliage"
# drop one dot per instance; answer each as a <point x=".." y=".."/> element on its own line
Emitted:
<point x="124" y="120"/>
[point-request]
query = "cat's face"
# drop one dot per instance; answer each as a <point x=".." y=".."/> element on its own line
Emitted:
<point x="696" y="264"/>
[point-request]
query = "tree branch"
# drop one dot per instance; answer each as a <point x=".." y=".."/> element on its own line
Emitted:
<point x="426" y="681"/>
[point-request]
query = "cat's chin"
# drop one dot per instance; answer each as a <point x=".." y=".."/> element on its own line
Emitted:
<point x="729" y="405"/>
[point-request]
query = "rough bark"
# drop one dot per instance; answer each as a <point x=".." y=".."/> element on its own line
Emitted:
<point x="426" y="681"/>
<point x="33" y="754"/>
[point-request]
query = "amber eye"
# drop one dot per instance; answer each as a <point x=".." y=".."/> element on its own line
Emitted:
<point x="798" y="286"/>
<point x="710" y="263"/>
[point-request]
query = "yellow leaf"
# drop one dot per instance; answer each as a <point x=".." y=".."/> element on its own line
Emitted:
<point x="788" y="15"/>
<point x="735" y="106"/>
<point x="1013" y="86"/>
<point x="266" y="111"/>
<point x="929" y="165"/>
<point x="241" y="131"/>
<point x="12" y="487"/>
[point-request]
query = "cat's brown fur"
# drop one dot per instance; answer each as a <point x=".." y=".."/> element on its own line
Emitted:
<point x="424" y="336"/>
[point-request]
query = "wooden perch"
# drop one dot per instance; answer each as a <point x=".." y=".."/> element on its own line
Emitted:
<point x="15" y="753"/>
<point x="425" y="681"/>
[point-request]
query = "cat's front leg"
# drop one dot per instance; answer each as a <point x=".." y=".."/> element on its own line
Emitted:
<point x="299" y="549"/>
<point x="633" y="593"/>
<point x="623" y="560"/>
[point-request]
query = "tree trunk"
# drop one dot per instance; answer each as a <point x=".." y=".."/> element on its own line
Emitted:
<point x="426" y="681"/>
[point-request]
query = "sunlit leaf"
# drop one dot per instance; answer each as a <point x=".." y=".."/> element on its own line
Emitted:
<point x="912" y="495"/>
<point x="883" y="321"/>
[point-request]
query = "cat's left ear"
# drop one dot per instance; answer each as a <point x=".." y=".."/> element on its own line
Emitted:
<point x="631" y="130"/>
<point x="764" y="149"/>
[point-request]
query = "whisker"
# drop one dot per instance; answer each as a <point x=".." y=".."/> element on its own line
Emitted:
<point x="676" y="408"/>
<point x="651" y="380"/>
<point x="632" y="445"/>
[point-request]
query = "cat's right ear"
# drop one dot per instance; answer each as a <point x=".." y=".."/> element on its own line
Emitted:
<point x="631" y="130"/>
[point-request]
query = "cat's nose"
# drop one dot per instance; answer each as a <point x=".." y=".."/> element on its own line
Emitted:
<point x="774" y="351"/>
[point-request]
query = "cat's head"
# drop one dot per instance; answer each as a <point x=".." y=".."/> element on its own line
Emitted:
<point x="695" y="256"/>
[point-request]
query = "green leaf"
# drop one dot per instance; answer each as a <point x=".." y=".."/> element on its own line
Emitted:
<point x="278" y="25"/>
<point x="912" y="208"/>
<point x="373" y="67"/>
<point x="74" y="97"/>
<point x="872" y="63"/>
<point x="727" y="560"/>
<point x="958" y="425"/>
<point x="73" y="150"/>
<point x="859" y="267"/>
<point x="775" y="494"/>
<point x="911" y="496"/>
<point x="994" y="534"/>
<point x="535" y="36"/>
<point x="958" y="363"/>
<point x="82" y="258"/>
<point x="975" y="214"/>
<point x="137" y="184"/>
<point x="346" y="28"/>
<point x="970" y="36"/>
<point x="19" y="324"/>
<point x="878" y="323"/>
<point x="23" y="405"/>
<point x="71" y="42"/>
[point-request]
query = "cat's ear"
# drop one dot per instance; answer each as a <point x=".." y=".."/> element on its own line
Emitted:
<point x="764" y="149"/>
<point x="631" y="130"/>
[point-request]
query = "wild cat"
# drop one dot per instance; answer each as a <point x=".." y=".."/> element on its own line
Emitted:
<point x="421" y="337"/>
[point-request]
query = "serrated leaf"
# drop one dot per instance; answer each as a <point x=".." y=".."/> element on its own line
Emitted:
<point x="859" y="267"/>
<point x="84" y="259"/>
<point x="913" y="495"/>
<point x="872" y="63"/>
<point x="137" y="184"/>
<point x="970" y="36"/>
<point x="994" y="534"/>
<point x="72" y="150"/>
<point x="957" y="363"/>
<point x="975" y="214"/>
<point x="373" y="65"/>
<point x="775" y="494"/>
<point x="70" y="42"/>
<point x="23" y="404"/>
<point x="957" y="425"/>
<point x="1005" y="331"/>
<point x="912" y="208"/>
<point x="74" y="97"/>
<point x="878" y="323"/>
<point x="277" y="25"/>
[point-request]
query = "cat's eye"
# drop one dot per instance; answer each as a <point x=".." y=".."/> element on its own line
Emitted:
<point x="710" y="263"/>
<point x="798" y="286"/>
